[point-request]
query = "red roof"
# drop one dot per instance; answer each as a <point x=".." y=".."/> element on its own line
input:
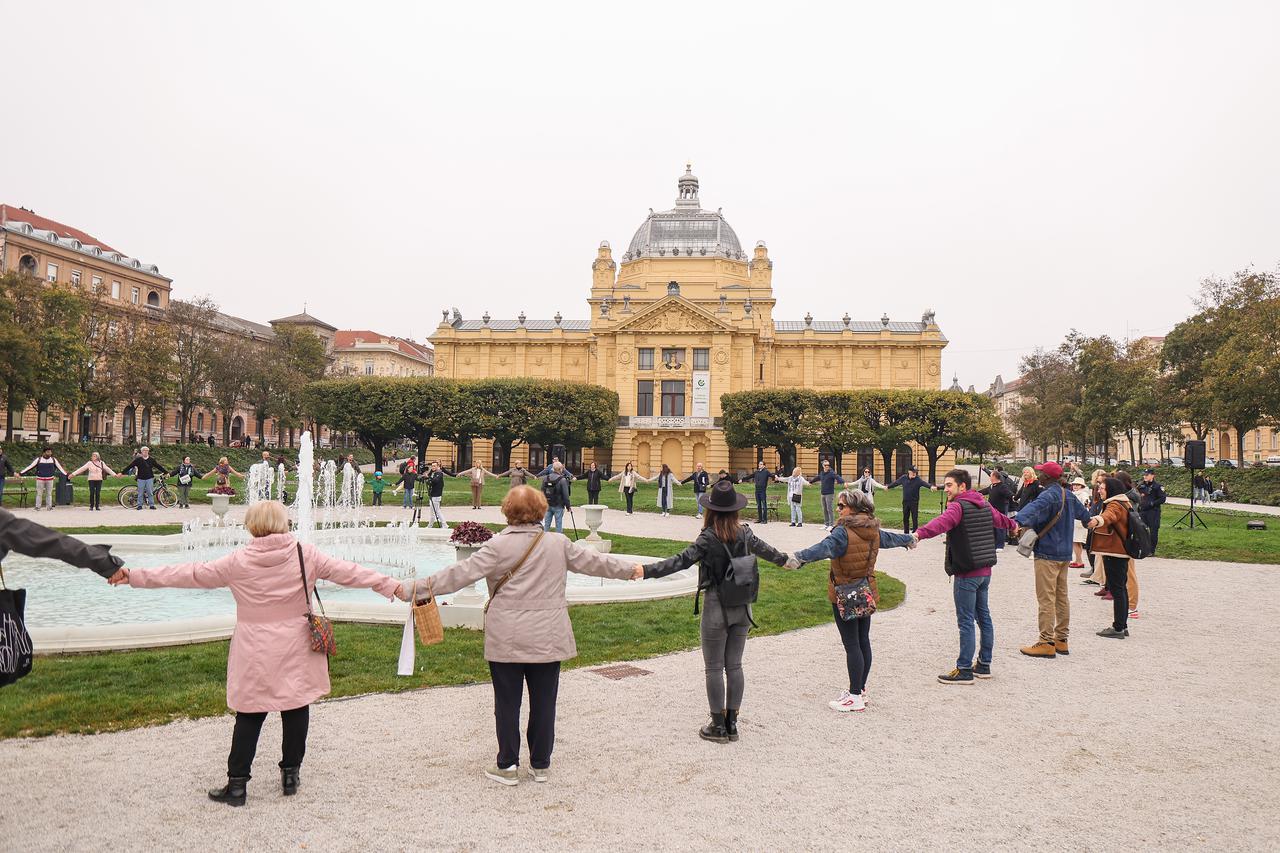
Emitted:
<point x="346" y="338"/>
<point x="11" y="213"/>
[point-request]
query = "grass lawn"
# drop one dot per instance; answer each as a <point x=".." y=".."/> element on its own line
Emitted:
<point x="119" y="690"/>
<point x="1226" y="538"/>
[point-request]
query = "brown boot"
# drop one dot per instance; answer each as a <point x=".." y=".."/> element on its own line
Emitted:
<point x="1040" y="650"/>
<point x="1060" y="646"/>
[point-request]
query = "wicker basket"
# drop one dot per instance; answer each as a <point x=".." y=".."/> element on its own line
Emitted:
<point x="426" y="617"/>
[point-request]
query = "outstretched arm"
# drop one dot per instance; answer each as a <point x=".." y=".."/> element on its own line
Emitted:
<point x="184" y="576"/>
<point x="347" y="573"/>
<point x="677" y="563"/>
<point x="36" y="540"/>
<point x="589" y="561"/>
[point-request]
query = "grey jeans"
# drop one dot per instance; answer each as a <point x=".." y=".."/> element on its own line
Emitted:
<point x="724" y="637"/>
<point x="828" y="510"/>
<point x="44" y="493"/>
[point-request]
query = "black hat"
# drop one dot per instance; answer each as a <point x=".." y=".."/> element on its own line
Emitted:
<point x="913" y="469"/>
<point x="1149" y="471"/>
<point x="722" y="497"/>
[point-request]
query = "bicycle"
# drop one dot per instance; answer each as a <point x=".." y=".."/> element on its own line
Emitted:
<point x="128" y="496"/>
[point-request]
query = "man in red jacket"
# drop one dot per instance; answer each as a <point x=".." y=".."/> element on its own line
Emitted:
<point x="970" y="524"/>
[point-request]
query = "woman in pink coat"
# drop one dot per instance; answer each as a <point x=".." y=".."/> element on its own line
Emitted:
<point x="271" y="666"/>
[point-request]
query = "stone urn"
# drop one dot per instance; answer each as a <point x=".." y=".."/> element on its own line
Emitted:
<point x="474" y="594"/>
<point x="595" y="517"/>
<point x="221" y="503"/>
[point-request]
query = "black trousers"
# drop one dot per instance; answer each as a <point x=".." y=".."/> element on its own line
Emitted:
<point x="762" y="507"/>
<point x="1118" y="585"/>
<point x="631" y="496"/>
<point x="593" y="497"/>
<point x="509" y="680"/>
<point x="910" y="516"/>
<point x="95" y="494"/>
<point x="377" y="498"/>
<point x="856" y="637"/>
<point x="244" y="739"/>
<point x="1152" y="519"/>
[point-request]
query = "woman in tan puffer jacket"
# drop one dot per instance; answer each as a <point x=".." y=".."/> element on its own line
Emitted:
<point x="1110" y="529"/>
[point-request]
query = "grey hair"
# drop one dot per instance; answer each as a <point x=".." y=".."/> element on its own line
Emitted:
<point x="858" y="501"/>
<point x="557" y="466"/>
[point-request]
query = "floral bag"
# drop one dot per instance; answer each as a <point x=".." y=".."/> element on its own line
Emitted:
<point x="854" y="600"/>
<point x="322" y="639"/>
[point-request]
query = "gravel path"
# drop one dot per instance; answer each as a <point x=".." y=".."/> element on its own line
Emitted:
<point x="1175" y="723"/>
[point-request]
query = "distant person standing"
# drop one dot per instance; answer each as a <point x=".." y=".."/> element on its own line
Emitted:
<point x="1000" y="495"/>
<point x="518" y="473"/>
<point x="378" y="485"/>
<point x="828" y="479"/>
<point x="1028" y="489"/>
<point x="867" y="484"/>
<point x="701" y="482"/>
<point x="911" y="484"/>
<point x="628" y="481"/>
<point x="666" y="484"/>
<point x="795" y="496"/>
<point x="1110" y="528"/>
<point x="47" y="468"/>
<point x="476" y="474"/>
<point x="6" y="470"/>
<point x="186" y="473"/>
<point x="1198" y="490"/>
<point x="408" y="480"/>
<point x="145" y="468"/>
<point x="97" y="470"/>
<point x="555" y="488"/>
<point x="435" y="493"/>
<point x="762" y="478"/>
<point x="1152" y="497"/>
<point x="594" y="480"/>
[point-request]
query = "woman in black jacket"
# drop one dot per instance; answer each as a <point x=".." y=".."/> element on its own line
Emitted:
<point x="724" y="628"/>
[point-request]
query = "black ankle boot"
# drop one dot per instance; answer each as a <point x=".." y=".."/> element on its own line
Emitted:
<point x="731" y="723"/>
<point x="289" y="780"/>
<point x="233" y="793"/>
<point x="714" y="731"/>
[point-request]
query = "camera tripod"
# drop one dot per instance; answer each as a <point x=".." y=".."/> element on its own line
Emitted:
<point x="1191" y="518"/>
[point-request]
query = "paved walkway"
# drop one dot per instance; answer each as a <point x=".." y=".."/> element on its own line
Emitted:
<point x="1165" y="740"/>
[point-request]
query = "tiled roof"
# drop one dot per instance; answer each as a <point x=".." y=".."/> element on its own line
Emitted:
<point x="241" y="326"/>
<point x="839" y="326"/>
<point x="531" y="325"/>
<point x="9" y="212"/>
<point x="304" y="319"/>
<point x="348" y="338"/>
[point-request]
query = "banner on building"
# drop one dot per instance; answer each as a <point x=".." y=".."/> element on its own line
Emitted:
<point x="701" y="394"/>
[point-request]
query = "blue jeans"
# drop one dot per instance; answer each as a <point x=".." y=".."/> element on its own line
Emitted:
<point x="408" y="498"/>
<point x="797" y="512"/>
<point x="970" y="595"/>
<point x="555" y="513"/>
<point x="146" y="492"/>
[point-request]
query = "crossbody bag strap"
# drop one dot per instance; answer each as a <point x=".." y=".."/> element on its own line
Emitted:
<point x="502" y="581"/>
<point x="1054" y="520"/>
<point x="303" y="570"/>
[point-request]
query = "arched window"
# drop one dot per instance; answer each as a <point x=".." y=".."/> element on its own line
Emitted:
<point x="200" y="422"/>
<point x="128" y="425"/>
<point x="153" y="299"/>
<point x="27" y="265"/>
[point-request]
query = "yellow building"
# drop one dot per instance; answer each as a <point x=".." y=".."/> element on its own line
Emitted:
<point x="686" y="317"/>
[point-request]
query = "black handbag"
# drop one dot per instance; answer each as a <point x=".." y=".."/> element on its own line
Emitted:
<point x="15" y="641"/>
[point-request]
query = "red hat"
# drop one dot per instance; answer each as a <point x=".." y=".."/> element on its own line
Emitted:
<point x="1053" y="469"/>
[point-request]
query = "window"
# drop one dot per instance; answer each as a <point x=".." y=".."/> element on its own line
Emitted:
<point x="702" y="359"/>
<point x="115" y="290"/>
<point x="673" y="398"/>
<point x="645" y="361"/>
<point x="51" y="272"/>
<point x="153" y="299"/>
<point x="213" y="422"/>
<point x="200" y="422"/>
<point x="75" y="277"/>
<point x="96" y="283"/>
<point x="672" y="358"/>
<point x="644" y="396"/>
<point x="135" y="295"/>
<point x="1257" y="439"/>
<point x="368" y="367"/>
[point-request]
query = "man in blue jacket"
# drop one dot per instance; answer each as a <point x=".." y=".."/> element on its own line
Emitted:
<point x="1053" y="515"/>
<point x="911" y="483"/>
<point x="701" y="482"/>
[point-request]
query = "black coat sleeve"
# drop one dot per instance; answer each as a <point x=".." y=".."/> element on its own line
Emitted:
<point x="679" y="562"/>
<point x="36" y="540"/>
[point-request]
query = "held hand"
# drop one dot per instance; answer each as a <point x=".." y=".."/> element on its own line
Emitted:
<point x="120" y="577"/>
<point x="402" y="593"/>
<point x="792" y="563"/>
<point x="915" y="542"/>
<point x="638" y="573"/>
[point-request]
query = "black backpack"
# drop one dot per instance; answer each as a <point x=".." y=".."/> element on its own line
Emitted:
<point x="551" y="488"/>
<point x="1137" y="543"/>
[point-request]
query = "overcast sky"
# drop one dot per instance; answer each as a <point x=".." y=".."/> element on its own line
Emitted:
<point x="1020" y="168"/>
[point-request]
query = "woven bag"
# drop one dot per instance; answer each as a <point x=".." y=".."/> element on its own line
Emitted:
<point x="426" y="616"/>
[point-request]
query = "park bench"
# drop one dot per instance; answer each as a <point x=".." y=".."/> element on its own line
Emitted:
<point x="771" y="508"/>
<point x="18" y="490"/>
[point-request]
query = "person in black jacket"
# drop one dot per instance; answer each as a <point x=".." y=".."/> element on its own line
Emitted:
<point x="911" y="483"/>
<point x="36" y="540"/>
<point x="408" y="480"/>
<point x="1028" y="490"/>
<point x="1151" y="498"/>
<point x="762" y="478"/>
<point x="555" y="488"/>
<point x="594" y="480"/>
<point x="435" y="493"/>
<point x="1000" y="495"/>
<point x="145" y="468"/>
<point x="6" y="470"/>
<point x="701" y="482"/>
<point x="724" y="628"/>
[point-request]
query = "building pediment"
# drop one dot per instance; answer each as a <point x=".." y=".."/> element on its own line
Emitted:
<point x="674" y="314"/>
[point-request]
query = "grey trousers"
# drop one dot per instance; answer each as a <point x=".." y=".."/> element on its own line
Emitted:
<point x="44" y="493"/>
<point x="724" y="638"/>
<point x="829" y="510"/>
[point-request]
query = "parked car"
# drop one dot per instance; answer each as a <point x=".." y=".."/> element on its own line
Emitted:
<point x="1124" y="463"/>
<point x="1150" y="463"/>
<point x="1273" y="462"/>
<point x="1225" y="463"/>
<point x="1177" y="462"/>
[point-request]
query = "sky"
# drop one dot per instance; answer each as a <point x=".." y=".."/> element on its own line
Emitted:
<point x="1022" y="169"/>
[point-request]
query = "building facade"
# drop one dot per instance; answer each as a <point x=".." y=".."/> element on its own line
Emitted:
<point x="360" y="352"/>
<point x="683" y="317"/>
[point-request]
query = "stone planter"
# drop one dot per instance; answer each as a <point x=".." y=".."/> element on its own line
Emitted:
<point x="221" y="503"/>
<point x="595" y="517"/>
<point x="474" y="594"/>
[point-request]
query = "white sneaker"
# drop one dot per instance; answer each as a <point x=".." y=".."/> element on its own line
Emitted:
<point x="849" y="702"/>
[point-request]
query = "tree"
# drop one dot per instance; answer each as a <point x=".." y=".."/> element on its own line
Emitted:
<point x="140" y="370"/>
<point x="18" y="350"/>
<point x="831" y="422"/>
<point x="262" y="377"/>
<point x="982" y="433"/>
<point x="1044" y="416"/>
<point x="574" y="414"/>
<point x="506" y="410"/>
<point x="60" y="351"/>
<point x="226" y="379"/>
<point x="888" y="417"/>
<point x="302" y="360"/>
<point x="940" y="419"/>
<point x="424" y="404"/>
<point x="369" y="407"/>
<point x="766" y="418"/>
<point x="98" y="327"/>
<point x="1184" y="358"/>
<point x="194" y="344"/>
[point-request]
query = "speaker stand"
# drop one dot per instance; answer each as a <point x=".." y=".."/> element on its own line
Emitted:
<point x="1191" y="518"/>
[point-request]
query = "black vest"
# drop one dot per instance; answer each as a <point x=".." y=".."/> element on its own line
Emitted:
<point x="971" y="544"/>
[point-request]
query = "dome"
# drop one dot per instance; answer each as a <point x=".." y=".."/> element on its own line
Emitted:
<point x="685" y="230"/>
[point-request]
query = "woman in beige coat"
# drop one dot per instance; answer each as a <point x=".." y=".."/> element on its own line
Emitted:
<point x="527" y="631"/>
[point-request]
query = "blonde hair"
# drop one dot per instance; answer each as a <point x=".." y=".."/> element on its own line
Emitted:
<point x="222" y="460"/>
<point x="796" y="472"/>
<point x="1028" y="473"/>
<point x="524" y="505"/>
<point x="265" y="518"/>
